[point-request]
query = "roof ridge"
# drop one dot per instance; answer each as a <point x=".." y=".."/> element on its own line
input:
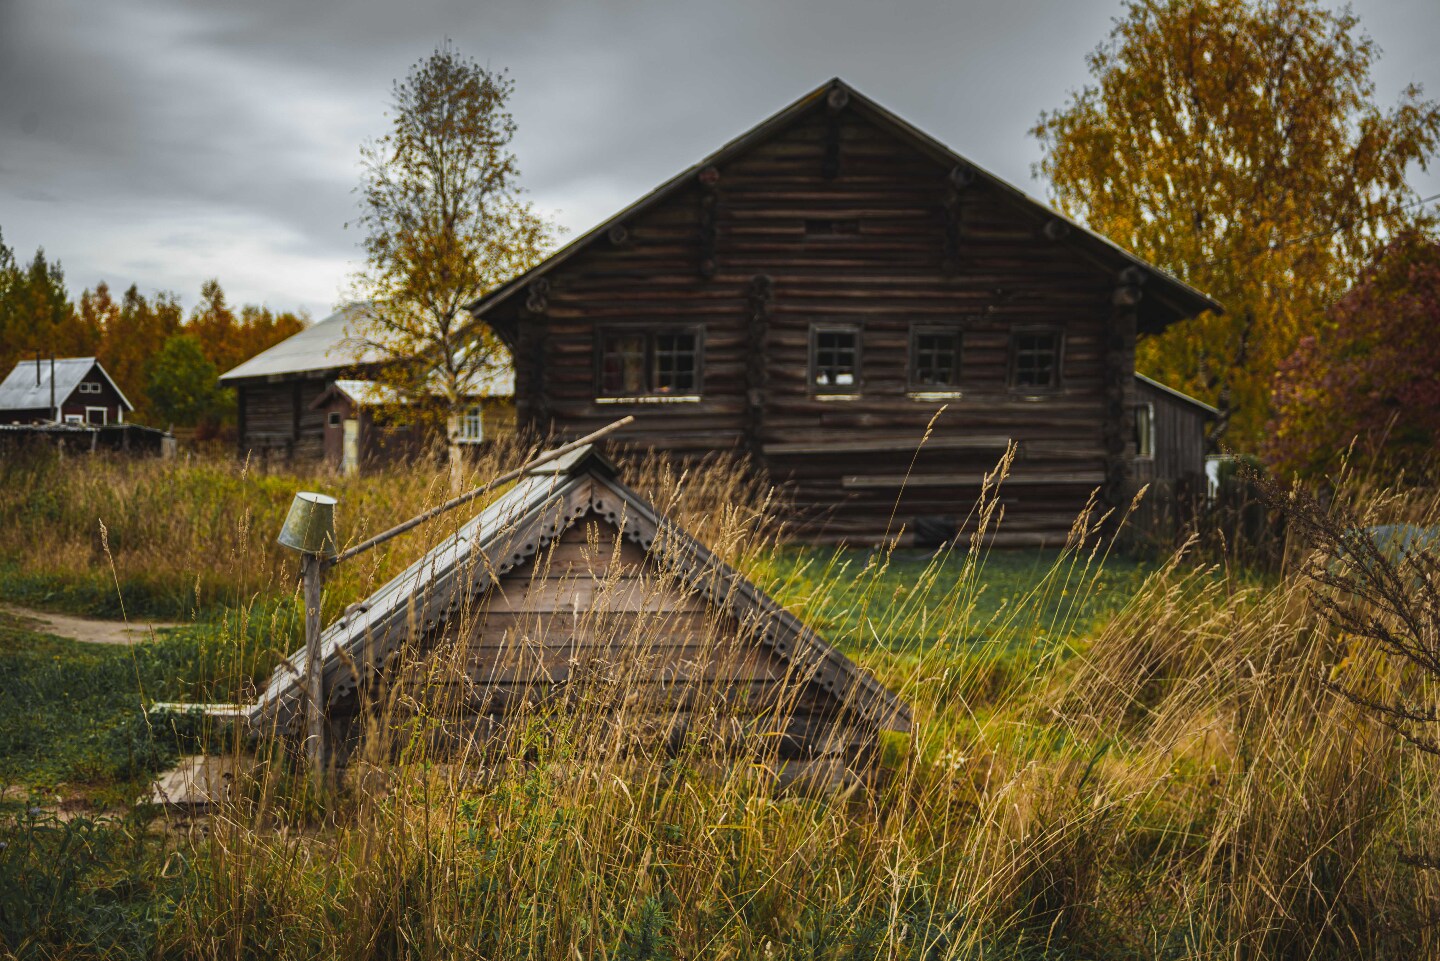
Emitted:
<point x="777" y="122"/>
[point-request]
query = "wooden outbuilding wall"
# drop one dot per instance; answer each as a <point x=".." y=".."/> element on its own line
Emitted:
<point x="276" y="419"/>
<point x="1179" y="434"/>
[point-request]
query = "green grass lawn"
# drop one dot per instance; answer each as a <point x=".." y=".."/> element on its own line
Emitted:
<point x="72" y="718"/>
<point x="915" y="600"/>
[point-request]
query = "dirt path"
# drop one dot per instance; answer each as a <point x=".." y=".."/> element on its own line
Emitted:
<point x="89" y="629"/>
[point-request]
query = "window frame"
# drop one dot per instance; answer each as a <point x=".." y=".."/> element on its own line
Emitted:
<point x="1149" y="408"/>
<point x="104" y="416"/>
<point x="1012" y="365"/>
<point x="916" y="387"/>
<point x="819" y="327"/>
<point x="651" y="333"/>
<point x="333" y="419"/>
<point x="90" y="387"/>
<point x="475" y="412"/>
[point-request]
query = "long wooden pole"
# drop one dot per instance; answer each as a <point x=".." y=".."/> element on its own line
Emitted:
<point x="465" y="498"/>
<point x="313" y="570"/>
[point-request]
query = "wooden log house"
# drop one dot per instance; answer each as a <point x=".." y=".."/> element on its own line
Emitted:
<point x="573" y="579"/>
<point x="815" y="292"/>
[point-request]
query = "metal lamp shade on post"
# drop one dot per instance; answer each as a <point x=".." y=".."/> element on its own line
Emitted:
<point x="310" y="526"/>
<point x="310" y="529"/>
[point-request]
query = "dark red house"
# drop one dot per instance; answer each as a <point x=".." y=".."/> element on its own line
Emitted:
<point x="63" y="390"/>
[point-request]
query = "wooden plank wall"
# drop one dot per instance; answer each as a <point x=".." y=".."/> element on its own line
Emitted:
<point x="276" y="419"/>
<point x="1179" y="437"/>
<point x="734" y="254"/>
<point x="593" y="621"/>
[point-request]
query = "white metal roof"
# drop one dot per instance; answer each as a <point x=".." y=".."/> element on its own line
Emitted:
<point x="22" y="390"/>
<point x="324" y="345"/>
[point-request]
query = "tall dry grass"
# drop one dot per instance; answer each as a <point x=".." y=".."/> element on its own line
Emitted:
<point x="1182" y="785"/>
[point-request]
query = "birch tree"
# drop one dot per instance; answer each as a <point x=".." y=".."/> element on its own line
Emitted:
<point x="444" y="222"/>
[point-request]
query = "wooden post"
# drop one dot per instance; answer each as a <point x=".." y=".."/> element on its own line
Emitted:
<point x="313" y="570"/>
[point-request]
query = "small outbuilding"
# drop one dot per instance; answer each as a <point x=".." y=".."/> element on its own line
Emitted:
<point x="64" y="390"/>
<point x="571" y="592"/>
<point x="315" y="395"/>
<point x="1170" y="440"/>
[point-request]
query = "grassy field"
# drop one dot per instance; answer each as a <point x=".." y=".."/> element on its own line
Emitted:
<point x="1110" y="760"/>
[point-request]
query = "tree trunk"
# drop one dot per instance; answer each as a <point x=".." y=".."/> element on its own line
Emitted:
<point x="457" y="452"/>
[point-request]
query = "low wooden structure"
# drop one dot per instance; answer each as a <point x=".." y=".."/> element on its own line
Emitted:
<point x="131" y="440"/>
<point x="814" y="292"/>
<point x="572" y="593"/>
<point x="64" y="390"/>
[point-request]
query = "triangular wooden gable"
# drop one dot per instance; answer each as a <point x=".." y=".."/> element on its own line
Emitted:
<point x="490" y="567"/>
<point x="1168" y="299"/>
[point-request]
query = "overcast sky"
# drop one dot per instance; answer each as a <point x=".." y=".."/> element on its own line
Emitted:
<point x="162" y="142"/>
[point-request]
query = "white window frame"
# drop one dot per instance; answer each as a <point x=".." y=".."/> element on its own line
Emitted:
<point x="472" y="425"/>
<point x="104" y="416"/>
<point x="89" y="387"/>
<point x="1145" y="450"/>
<point x="78" y="419"/>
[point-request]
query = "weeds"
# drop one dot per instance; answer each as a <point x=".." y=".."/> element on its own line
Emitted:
<point x="1157" y="773"/>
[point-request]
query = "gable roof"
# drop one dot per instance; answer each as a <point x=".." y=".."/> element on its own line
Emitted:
<point x="324" y="345"/>
<point x="1178" y="298"/>
<point x="514" y="529"/>
<point x="20" y="390"/>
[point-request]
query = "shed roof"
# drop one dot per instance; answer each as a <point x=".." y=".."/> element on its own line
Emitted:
<point x="1178" y="395"/>
<point x="1167" y="300"/>
<point x="324" y="345"/>
<point x="23" y="390"/>
<point x="509" y="532"/>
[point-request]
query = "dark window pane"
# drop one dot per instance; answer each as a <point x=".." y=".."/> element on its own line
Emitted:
<point x="836" y="354"/>
<point x="622" y="364"/>
<point x="937" y="359"/>
<point x="675" y="363"/>
<point x="1035" y="359"/>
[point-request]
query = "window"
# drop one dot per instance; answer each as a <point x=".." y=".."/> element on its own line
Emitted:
<point x="89" y="387"/>
<point x="334" y="418"/>
<point x="1144" y="430"/>
<point x="934" y="358"/>
<point x="472" y="426"/>
<point x="834" y="359"/>
<point x="656" y="364"/>
<point x="1035" y="359"/>
<point x="96" y="415"/>
<point x="74" y="419"/>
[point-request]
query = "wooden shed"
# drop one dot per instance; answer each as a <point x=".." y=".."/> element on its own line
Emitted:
<point x="572" y="592"/>
<point x="813" y="294"/>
